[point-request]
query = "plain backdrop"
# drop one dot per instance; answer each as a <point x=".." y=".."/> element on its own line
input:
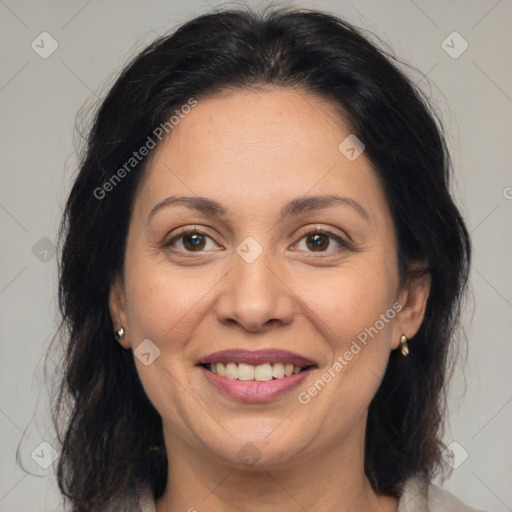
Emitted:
<point x="40" y="95"/>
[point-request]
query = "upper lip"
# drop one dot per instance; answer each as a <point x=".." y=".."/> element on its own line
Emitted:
<point x="256" y="357"/>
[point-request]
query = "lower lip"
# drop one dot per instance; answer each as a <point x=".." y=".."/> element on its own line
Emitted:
<point x="252" y="390"/>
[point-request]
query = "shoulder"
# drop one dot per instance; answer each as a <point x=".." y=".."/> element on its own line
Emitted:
<point x="419" y="495"/>
<point x="146" y="501"/>
<point x="134" y="499"/>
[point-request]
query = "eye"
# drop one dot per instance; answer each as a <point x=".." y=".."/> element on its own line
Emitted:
<point x="191" y="240"/>
<point x="322" y="240"/>
<point x="196" y="241"/>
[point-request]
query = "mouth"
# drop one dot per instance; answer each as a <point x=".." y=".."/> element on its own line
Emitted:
<point x="261" y="373"/>
<point x="255" y="376"/>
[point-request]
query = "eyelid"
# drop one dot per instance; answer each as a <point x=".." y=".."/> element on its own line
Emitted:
<point x="344" y="241"/>
<point x="186" y="230"/>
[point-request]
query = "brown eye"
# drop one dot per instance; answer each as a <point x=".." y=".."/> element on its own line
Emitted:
<point x="322" y="241"/>
<point x="194" y="242"/>
<point x="190" y="241"/>
<point x="317" y="241"/>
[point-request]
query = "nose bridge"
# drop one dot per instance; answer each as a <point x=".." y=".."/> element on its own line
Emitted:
<point x="253" y="295"/>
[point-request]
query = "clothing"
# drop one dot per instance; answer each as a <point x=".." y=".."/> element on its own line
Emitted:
<point x="421" y="496"/>
<point x="418" y="496"/>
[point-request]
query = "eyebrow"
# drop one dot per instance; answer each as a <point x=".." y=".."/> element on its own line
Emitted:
<point x="294" y="207"/>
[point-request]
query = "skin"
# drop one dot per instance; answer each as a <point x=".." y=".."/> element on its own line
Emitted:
<point x="253" y="152"/>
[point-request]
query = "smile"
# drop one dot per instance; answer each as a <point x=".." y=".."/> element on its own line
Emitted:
<point x="248" y="372"/>
<point x="255" y="376"/>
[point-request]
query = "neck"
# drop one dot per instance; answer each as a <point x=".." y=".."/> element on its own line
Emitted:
<point x="330" y="480"/>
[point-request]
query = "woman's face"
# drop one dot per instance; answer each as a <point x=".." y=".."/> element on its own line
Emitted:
<point x="295" y="250"/>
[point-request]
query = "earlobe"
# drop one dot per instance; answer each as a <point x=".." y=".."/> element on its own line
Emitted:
<point x="413" y="299"/>
<point x="118" y="313"/>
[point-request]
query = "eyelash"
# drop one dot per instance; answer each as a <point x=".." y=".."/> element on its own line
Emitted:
<point x="344" y="244"/>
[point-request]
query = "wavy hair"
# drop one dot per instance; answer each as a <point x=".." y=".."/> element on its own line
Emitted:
<point x="112" y="435"/>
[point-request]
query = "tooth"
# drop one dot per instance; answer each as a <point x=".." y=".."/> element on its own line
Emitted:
<point x="232" y="371"/>
<point x="263" y="372"/>
<point x="278" y="370"/>
<point x="288" y="369"/>
<point x="246" y="372"/>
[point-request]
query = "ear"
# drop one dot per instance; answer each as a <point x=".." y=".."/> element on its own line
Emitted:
<point x="117" y="306"/>
<point x="413" y="299"/>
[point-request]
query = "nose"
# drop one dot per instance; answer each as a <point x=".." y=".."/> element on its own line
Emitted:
<point x="255" y="296"/>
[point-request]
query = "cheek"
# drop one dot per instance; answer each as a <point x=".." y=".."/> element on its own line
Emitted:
<point x="162" y="302"/>
<point x="350" y="301"/>
<point x="353" y="310"/>
<point x="165" y="306"/>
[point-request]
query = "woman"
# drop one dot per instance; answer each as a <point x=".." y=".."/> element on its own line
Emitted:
<point x="261" y="275"/>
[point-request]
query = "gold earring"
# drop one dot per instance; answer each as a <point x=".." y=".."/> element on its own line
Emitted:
<point x="404" y="348"/>
<point x="119" y="334"/>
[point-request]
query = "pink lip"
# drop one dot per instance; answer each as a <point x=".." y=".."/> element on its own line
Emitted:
<point x="254" y="391"/>
<point x="256" y="357"/>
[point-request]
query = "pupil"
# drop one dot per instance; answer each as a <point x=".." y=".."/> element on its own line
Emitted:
<point x="318" y="241"/>
<point x="194" y="241"/>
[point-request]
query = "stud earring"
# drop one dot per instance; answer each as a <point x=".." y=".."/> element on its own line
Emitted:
<point x="404" y="348"/>
<point x="119" y="334"/>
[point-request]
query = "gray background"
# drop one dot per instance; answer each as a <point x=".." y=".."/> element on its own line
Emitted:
<point x="39" y="99"/>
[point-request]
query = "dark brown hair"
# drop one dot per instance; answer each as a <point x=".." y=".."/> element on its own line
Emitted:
<point x="114" y="434"/>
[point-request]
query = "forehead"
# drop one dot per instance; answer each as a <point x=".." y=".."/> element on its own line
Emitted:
<point x="263" y="146"/>
<point x="244" y="126"/>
